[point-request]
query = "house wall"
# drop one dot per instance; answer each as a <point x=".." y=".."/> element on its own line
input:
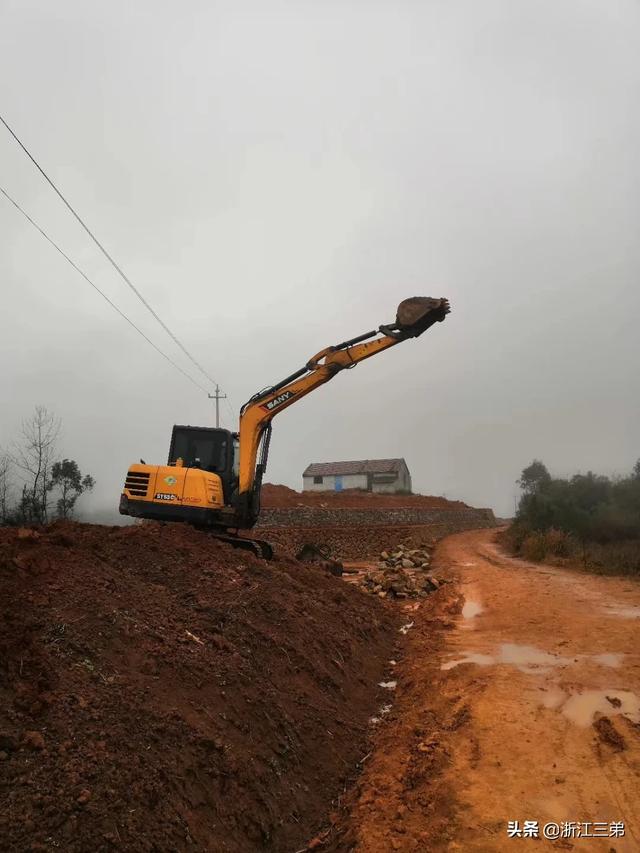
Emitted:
<point x="386" y="488"/>
<point x="349" y="481"/>
<point x="402" y="483"/>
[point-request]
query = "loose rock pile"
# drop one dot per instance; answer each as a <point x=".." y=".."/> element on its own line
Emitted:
<point x="398" y="583"/>
<point x="407" y="558"/>
<point x="401" y="573"/>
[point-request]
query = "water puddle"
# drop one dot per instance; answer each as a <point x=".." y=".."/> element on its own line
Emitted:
<point x="471" y="609"/>
<point x="471" y="657"/>
<point x="609" y="659"/>
<point x="389" y="685"/>
<point x="524" y="658"/>
<point x="528" y="658"/>
<point x="623" y="612"/>
<point x="553" y="698"/>
<point x="581" y="708"/>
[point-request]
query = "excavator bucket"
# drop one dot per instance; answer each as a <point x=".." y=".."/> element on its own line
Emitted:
<point x="320" y="554"/>
<point x="416" y="314"/>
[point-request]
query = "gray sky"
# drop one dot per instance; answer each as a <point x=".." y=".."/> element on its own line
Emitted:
<point x="276" y="176"/>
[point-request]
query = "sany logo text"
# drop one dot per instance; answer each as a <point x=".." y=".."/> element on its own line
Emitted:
<point x="278" y="401"/>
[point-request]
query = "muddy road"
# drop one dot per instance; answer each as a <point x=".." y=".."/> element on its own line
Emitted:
<point x="518" y="699"/>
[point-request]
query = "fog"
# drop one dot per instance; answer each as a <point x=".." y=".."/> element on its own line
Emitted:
<point x="276" y="176"/>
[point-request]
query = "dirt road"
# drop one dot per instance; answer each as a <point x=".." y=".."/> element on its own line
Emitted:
<point x="518" y="699"/>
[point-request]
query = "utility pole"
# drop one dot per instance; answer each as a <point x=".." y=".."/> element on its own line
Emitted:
<point x="217" y="397"/>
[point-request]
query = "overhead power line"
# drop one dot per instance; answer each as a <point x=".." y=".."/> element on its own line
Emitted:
<point x="97" y="289"/>
<point x="107" y="255"/>
<point x="234" y="416"/>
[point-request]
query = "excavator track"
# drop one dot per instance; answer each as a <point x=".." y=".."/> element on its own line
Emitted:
<point x="259" y="547"/>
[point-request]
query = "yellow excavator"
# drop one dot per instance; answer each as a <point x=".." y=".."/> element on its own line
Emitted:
<point x="213" y="477"/>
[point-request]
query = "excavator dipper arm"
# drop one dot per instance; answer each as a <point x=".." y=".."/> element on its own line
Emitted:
<point x="414" y="317"/>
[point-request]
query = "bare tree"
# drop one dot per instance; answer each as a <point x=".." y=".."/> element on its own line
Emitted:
<point x="5" y="486"/>
<point x="33" y="455"/>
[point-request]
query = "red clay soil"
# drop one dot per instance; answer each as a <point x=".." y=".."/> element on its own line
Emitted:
<point x="162" y="691"/>
<point x="274" y="496"/>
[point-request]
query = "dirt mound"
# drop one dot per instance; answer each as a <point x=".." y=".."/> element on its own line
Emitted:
<point x="161" y="691"/>
<point x="275" y="496"/>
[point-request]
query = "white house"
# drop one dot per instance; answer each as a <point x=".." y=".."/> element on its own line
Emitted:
<point x="371" y="475"/>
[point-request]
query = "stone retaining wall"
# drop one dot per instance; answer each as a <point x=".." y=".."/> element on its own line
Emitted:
<point x="462" y="519"/>
<point x="355" y="534"/>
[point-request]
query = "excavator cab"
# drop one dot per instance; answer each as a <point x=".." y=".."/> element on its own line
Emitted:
<point x="209" y="449"/>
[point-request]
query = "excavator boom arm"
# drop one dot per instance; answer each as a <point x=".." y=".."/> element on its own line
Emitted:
<point x="414" y="317"/>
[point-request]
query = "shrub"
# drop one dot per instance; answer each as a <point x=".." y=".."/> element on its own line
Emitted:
<point x="559" y="543"/>
<point x="615" y="557"/>
<point x="534" y="547"/>
<point x="514" y="536"/>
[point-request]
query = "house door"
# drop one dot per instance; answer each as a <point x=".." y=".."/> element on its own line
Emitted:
<point x="338" y="486"/>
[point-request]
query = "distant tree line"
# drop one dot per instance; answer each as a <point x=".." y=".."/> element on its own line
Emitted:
<point x="35" y="485"/>
<point x="590" y="515"/>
